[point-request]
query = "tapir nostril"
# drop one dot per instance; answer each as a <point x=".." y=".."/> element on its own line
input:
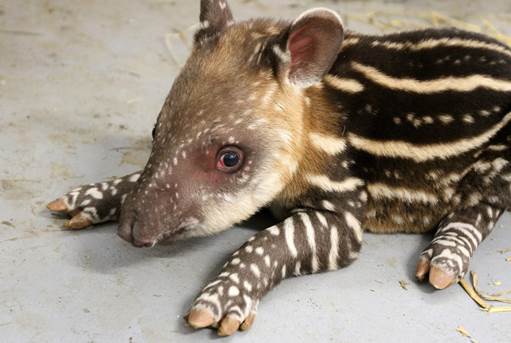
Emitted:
<point x="125" y="230"/>
<point x="135" y="236"/>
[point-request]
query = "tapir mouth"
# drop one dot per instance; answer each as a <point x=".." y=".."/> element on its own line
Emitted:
<point x="166" y="236"/>
<point x="171" y="236"/>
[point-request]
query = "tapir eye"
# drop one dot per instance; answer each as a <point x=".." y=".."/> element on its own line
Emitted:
<point x="229" y="159"/>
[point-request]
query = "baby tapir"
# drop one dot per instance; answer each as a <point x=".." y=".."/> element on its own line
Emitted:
<point x="338" y="132"/>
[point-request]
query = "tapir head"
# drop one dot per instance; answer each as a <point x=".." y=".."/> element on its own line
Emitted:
<point x="229" y="137"/>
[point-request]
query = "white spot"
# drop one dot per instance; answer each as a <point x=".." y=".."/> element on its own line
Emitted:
<point x="134" y="177"/>
<point x="95" y="193"/>
<point x="274" y="230"/>
<point x="234" y="277"/>
<point x="255" y="269"/>
<point x="267" y="260"/>
<point x="233" y="291"/>
<point x="467" y="118"/>
<point x="247" y="285"/>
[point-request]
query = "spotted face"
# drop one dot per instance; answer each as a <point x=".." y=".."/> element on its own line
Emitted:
<point x="222" y="147"/>
<point x="229" y="137"/>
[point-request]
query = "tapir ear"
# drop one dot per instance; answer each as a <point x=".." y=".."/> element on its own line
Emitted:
<point x="312" y="45"/>
<point x="215" y="15"/>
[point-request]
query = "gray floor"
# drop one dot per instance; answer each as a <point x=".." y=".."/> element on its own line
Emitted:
<point x="80" y="85"/>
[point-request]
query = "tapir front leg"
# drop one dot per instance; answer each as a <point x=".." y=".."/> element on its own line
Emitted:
<point x="309" y="241"/>
<point x="94" y="203"/>
<point x="447" y="257"/>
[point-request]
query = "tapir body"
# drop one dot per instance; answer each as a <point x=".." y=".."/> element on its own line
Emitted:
<point x="337" y="132"/>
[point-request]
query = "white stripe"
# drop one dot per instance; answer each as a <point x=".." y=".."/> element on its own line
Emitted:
<point x="329" y="144"/>
<point x="323" y="182"/>
<point x="212" y="299"/>
<point x="334" y="249"/>
<point x="309" y="231"/>
<point x="421" y="153"/>
<point x="321" y="219"/>
<point x="354" y="224"/>
<point x="343" y="84"/>
<point x="443" y="241"/>
<point x="498" y="147"/>
<point x="381" y="190"/>
<point x="446" y="253"/>
<point x="449" y="42"/>
<point x="72" y="203"/>
<point x="247" y="307"/>
<point x="283" y="56"/>
<point x="92" y="212"/>
<point x="464" y="250"/>
<point x="327" y="205"/>
<point x="460" y="84"/>
<point x="298" y="267"/>
<point x="289" y="233"/>
<point x="461" y="241"/>
<point x="469" y="230"/>
<point x="211" y="284"/>
<point x="350" y="42"/>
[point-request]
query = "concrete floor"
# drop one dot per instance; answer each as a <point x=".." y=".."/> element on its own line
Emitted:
<point x="81" y="83"/>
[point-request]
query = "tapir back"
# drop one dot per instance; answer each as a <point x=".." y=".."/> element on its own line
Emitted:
<point x="418" y="109"/>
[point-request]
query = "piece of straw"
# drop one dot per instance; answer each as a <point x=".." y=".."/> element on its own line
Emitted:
<point x="480" y="298"/>
<point x="475" y="282"/>
<point x="465" y="333"/>
<point x="403" y="284"/>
